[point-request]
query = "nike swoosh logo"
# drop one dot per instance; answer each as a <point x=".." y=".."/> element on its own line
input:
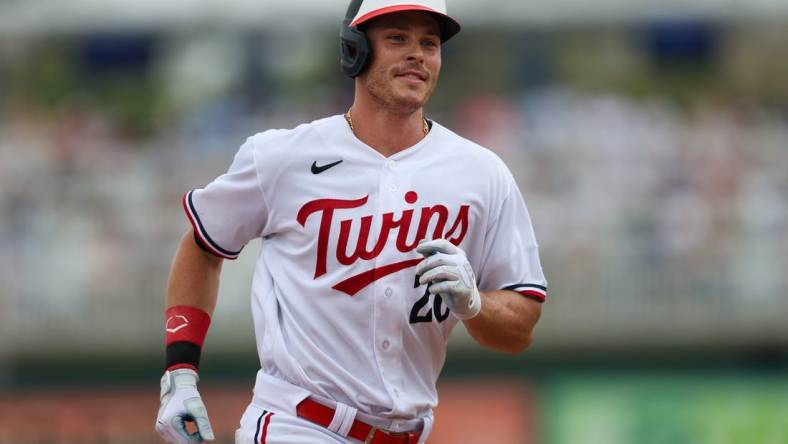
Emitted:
<point x="319" y="169"/>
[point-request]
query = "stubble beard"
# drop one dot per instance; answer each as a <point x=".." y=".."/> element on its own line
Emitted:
<point x="380" y="86"/>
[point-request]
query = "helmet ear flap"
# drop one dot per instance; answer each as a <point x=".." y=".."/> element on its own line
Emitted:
<point x="354" y="50"/>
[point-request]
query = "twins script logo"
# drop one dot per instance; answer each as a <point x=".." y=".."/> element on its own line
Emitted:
<point x="391" y="224"/>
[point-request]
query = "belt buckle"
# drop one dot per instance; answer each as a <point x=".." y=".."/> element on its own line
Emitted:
<point x="407" y="437"/>
<point x="370" y="435"/>
<point x="372" y="431"/>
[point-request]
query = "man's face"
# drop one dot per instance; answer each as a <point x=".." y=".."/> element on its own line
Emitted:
<point x="406" y="60"/>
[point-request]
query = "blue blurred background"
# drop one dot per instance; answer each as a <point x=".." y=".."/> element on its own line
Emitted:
<point x="650" y="140"/>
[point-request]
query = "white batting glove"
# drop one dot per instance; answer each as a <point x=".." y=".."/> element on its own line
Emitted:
<point x="181" y="403"/>
<point x="448" y="273"/>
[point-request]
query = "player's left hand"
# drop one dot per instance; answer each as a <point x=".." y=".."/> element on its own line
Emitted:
<point x="446" y="270"/>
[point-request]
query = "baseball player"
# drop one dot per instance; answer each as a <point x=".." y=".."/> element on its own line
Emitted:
<point x="381" y="230"/>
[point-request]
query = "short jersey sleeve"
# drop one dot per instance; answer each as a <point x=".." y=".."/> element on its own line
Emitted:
<point x="231" y="210"/>
<point x="511" y="254"/>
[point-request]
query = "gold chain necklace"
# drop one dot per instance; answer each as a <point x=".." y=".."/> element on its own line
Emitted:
<point x="425" y="127"/>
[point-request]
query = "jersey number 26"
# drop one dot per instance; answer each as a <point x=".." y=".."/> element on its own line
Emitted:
<point x="418" y="312"/>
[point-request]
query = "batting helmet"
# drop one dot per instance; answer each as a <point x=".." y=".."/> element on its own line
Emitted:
<point x="355" y="49"/>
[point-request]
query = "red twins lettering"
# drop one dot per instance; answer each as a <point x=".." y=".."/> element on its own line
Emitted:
<point x="390" y="223"/>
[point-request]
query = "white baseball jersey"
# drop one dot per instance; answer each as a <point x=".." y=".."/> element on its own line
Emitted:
<point x="336" y="304"/>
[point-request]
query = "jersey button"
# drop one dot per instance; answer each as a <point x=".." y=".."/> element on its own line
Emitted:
<point x="392" y="164"/>
<point x="385" y="344"/>
<point x="389" y="292"/>
<point x="392" y="187"/>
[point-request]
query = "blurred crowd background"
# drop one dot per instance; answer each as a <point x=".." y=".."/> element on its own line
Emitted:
<point x="650" y="143"/>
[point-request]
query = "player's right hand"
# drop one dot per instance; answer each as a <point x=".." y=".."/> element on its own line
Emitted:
<point x="181" y="403"/>
<point x="448" y="272"/>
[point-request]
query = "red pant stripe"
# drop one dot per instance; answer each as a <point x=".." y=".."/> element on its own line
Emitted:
<point x="265" y="427"/>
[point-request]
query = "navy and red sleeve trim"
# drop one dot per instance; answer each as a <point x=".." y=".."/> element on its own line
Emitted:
<point x="201" y="236"/>
<point x="533" y="291"/>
